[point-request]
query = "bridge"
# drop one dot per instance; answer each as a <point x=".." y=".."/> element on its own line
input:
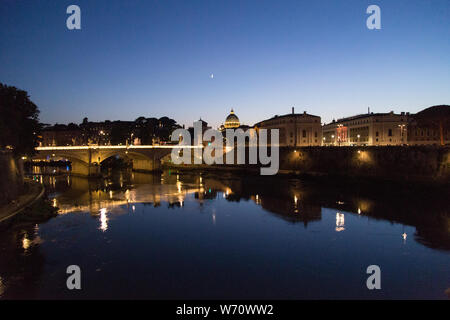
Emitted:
<point x="86" y="159"/>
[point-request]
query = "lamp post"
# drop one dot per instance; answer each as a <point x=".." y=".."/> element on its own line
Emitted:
<point x="402" y="127"/>
<point x="358" y="136"/>
<point x="339" y="134"/>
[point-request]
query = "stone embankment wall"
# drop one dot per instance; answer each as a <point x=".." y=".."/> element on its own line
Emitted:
<point x="11" y="177"/>
<point x="415" y="163"/>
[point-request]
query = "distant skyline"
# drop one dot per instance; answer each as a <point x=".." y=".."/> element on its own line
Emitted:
<point x="190" y="59"/>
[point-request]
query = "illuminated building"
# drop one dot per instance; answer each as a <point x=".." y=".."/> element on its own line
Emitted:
<point x="371" y="129"/>
<point x="232" y="121"/>
<point x="295" y="129"/>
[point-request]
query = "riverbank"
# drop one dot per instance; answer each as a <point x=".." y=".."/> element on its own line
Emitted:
<point x="33" y="193"/>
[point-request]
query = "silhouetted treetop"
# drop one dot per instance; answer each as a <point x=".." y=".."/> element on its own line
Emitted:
<point x="19" y="121"/>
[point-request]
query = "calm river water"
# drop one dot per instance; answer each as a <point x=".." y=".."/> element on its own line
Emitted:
<point x="201" y="235"/>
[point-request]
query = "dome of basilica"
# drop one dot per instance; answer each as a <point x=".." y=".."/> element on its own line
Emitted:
<point x="232" y="121"/>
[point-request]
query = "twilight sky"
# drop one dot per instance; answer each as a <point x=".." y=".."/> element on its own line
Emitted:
<point x="154" y="58"/>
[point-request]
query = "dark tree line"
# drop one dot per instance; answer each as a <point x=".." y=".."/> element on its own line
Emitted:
<point x="147" y="130"/>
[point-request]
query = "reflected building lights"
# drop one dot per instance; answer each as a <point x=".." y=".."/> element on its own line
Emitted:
<point x="103" y="220"/>
<point x="25" y="242"/>
<point x="340" y="222"/>
<point x="295" y="204"/>
<point x="404" y="235"/>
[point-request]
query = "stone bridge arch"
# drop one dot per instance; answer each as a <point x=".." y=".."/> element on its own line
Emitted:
<point x="80" y="159"/>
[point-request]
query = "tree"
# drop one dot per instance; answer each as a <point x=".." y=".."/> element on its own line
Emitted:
<point x="19" y="121"/>
<point x="166" y="127"/>
<point x="120" y="132"/>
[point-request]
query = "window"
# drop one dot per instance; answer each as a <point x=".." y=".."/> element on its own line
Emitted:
<point x="315" y="134"/>
<point x="390" y="133"/>
<point x="304" y="133"/>
<point x="376" y="134"/>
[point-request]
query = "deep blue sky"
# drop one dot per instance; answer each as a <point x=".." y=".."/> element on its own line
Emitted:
<point x="155" y="57"/>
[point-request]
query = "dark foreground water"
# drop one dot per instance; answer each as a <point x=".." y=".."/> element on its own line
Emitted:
<point x="179" y="235"/>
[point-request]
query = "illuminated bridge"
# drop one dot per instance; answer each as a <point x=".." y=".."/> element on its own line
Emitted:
<point x="86" y="159"/>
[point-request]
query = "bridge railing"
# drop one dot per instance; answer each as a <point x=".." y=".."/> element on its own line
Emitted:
<point x="114" y="147"/>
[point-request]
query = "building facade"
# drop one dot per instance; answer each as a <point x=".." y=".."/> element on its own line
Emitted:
<point x="61" y="135"/>
<point x="295" y="129"/>
<point x="430" y="126"/>
<point x="371" y="129"/>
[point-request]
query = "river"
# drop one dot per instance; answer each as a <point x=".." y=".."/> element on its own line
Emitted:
<point x="199" y="235"/>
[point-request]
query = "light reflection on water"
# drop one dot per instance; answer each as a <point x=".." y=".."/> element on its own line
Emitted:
<point x="179" y="235"/>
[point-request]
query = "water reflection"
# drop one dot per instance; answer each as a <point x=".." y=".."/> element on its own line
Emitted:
<point x="200" y="227"/>
<point x="340" y="222"/>
<point x="291" y="200"/>
<point x="103" y="220"/>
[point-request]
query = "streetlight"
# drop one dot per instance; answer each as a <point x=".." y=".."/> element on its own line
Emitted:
<point x="339" y="133"/>
<point x="401" y="126"/>
<point x="358" y="136"/>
